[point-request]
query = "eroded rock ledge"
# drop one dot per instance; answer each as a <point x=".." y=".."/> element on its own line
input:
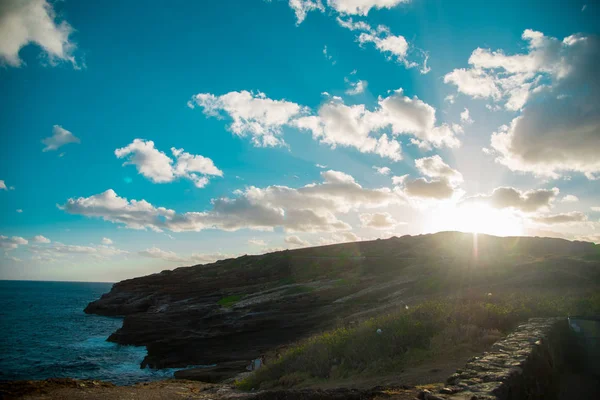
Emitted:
<point x="525" y="365"/>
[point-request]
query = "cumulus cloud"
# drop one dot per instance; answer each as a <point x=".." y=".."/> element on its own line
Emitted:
<point x="19" y="210"/>
<point x="526" y="201"/>
<point x="107" y="241"/>
<point x="465" y="118"/>
<point x="342" y="237"/>
<point x="378" y="220"/>
<point x="311" y="208"/>
<point x="3" y="185"/>
<point x="355" y="7"/>
<point x="59" y="138"/>
<point x="438" y="189"/>
<point x="394" y="47"/>
<point x="338" y="124"/>
<point x="435" y="167"/>
<point x="257" y="242"/>
<point x="556" y="87"/>
<point x="40" y="239"/>
<point x="569" y="199"/>
<point x="357" y="87"/>
<point x="562" y="218"/>
<point x="443" y="185"/>
<point x="335" y="123"/>
<point x="296" y="241"/>
<point x="24" y="22"/>
<point x="155" y="252"/>
<point x="160" y="168"/>
<point x="302" y="7"/>
<point x="382" y="170"/>
<point x="253" y="114"/>
<point x="362" y="7"/>
<point x="11" y="243"/>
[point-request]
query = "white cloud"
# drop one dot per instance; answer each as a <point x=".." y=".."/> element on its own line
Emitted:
<point x="311" y="208"/>
<point x="465" y="118"/>
<point x="356" y="7"/>
<point x="435" y="167"/>
<point x="40" y="239"/>
<point x="19" y="210"/>
<point x="526" y="201"/>
<point x="321" y="166"/>
<point x="160" y="168"/>
<point x="10" y="243"/>
<point x="399" y="180"/>
<point x="569" y="199"/>
<point x="357" y="87"/>
<point x="335" y="123"/>
<point x="394" y="47"/>
<point x="362" y="7"/>
<point x="3" y="185"/>
<point x="422" y="145"/>
<point x="444" y="184"/>
<point x="595" y="209"/>
<point x="353" y="126"/>
<point x="57" y="250"/>
<point x="24" y="22"/>
<point x="155" y="252"/>
<point x="556" y="87"/>
<point x="296" y="241"/>
<point x="450" y="98"/>
<point x="253" y="114"/>
<point x="328" y="57"/>
<point x="59" y="138"/>
<point x="107" y="241"/>
<point x="342" y="237"/>
<point x="302" y="7"/>
<point x="382" y="170"/>
<point x="257" y="242"/>
<point x="563" y="218"/>
<point x="378" y="220"/>
<point x="438" y="189"/>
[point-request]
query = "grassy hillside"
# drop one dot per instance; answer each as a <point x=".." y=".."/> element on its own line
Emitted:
<point x="436" y="329"/>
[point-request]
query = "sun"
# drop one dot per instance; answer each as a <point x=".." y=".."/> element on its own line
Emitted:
<point x="476" y="218"/>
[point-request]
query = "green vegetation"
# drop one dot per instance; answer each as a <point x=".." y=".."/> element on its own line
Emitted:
<point x="299" y="289"/>
<point x="427" y="331"/>
<point x="229" y="301"/>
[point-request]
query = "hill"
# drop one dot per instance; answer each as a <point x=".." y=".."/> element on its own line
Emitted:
<point x="238" y="308"/>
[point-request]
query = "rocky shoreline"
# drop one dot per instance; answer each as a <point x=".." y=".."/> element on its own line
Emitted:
<point x="230" y="312"/>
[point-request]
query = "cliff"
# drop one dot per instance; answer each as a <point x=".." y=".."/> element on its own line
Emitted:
<point x="236" y="309"/>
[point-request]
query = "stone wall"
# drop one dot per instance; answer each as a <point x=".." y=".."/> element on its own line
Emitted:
<point x="524" y="365"/>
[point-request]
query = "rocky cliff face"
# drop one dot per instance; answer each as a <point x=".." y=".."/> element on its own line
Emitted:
<point x="236" y="309"/>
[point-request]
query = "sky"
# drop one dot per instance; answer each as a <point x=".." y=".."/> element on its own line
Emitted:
<point x="137" y="139"/>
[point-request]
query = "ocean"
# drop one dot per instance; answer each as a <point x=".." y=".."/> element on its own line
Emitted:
<point x="44" y="333"/>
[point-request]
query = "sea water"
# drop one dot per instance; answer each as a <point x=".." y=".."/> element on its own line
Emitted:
<point x="44" y="333"/>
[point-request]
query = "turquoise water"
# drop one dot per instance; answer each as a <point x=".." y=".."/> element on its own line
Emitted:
<point x="44" y="333"/>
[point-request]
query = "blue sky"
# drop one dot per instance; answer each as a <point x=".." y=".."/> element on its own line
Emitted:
<point x="312" y="96"/>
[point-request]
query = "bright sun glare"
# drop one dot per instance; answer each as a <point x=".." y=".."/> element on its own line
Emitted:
<point x="475" y="218"/>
